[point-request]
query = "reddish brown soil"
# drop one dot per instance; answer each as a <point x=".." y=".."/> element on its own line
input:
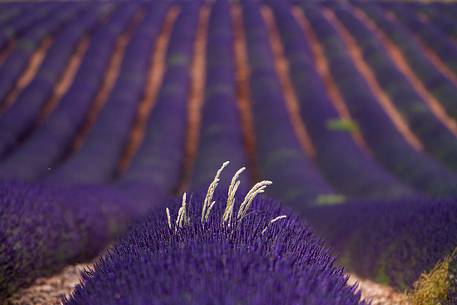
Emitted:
<point x="195" y="99"/>
<point x="28" y="74"/>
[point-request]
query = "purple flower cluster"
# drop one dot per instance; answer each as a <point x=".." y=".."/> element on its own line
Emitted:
<point x="212" y="263"/>
<point x="43" y="228"/>
<point x="393" y="242"/>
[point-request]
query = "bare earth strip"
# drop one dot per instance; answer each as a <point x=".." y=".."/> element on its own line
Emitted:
<point x="49" y="291"/>
<point x="28" y="74"/>
<point x="378" y="294"/>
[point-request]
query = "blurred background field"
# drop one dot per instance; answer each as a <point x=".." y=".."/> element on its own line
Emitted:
<point x="109" y="108"/>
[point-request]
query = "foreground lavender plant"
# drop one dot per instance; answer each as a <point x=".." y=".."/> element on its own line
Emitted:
<point x="213" y="255"/>
<point x="392" y="242"/>
<point x="42" y="228"/>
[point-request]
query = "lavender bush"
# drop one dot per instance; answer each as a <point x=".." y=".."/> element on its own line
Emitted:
<point x="42" y="228"/>
<point x="393" y="242"/>
<point x="216" y="254"/>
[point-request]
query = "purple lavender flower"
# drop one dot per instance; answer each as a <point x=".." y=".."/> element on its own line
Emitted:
<point x="43" y="228"/>
<point x="260" y="254"/>
<point x="392" y="242"/>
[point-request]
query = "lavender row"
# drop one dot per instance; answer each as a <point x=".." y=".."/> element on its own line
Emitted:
<point x="437" y="139"/>
<point x="437" y="16"/>
<point x="157" y="165"/>
<point x="221" y="137"/>
<point x="437" y="83"/>
<point x="391" y="242"/>
<point x="26" y="22"/>
<point x="386" y="143"/>
<point x="97" y="159"/>
<point x="42" y="229"/>
<point x="50" y="141"/>
<point x="20" y="118"/>
<point x="280" y="156"/>
<point x="24" y="48"/>
<point x="349" y="168"/>
<point x="10" y="11"/>
<point x="212" y="263"/>
<point x="93" y="215"/>
<point x="431" y="36"/>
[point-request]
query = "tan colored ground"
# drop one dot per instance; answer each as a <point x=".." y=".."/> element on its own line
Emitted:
<point x="379" y="294"/>
<point x="48" y="291"/>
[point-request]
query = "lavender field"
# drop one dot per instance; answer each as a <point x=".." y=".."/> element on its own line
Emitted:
<point x="228" y="152"/>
